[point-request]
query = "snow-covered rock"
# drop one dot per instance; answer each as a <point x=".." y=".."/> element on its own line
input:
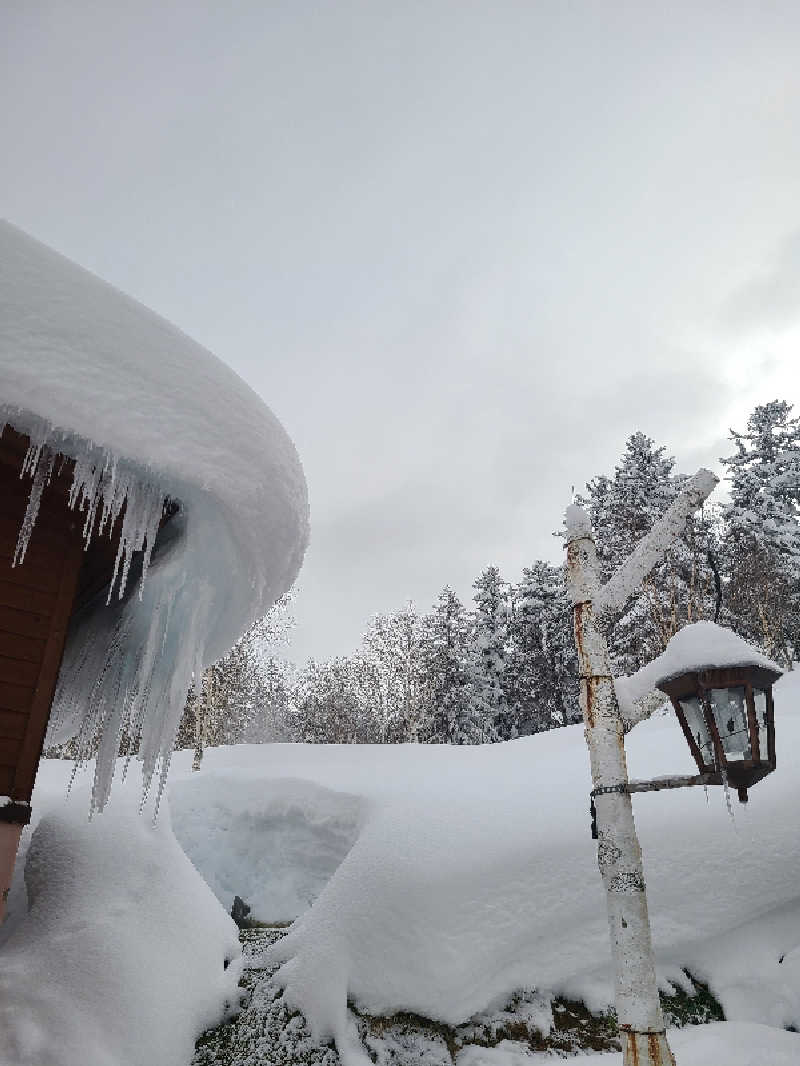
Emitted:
<point x="147" y="413"/>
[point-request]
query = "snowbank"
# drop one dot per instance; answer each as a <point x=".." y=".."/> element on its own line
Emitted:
<point x="120" y="960"/>
<point x="147" y="414"/>
<point x="474" y="873"/>
<point x="718" y="1044"/>
<point x="457" y="876"/>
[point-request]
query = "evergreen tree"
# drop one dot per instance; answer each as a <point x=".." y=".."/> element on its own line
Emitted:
<point x="328" y="703"/>
<point x="455" y="718"/>
<point x="393" y="647"/>
<point x="489" y="652"/>
<point x="543" y="666"/>
<point x="680" y="588"/>
<point x="555" y="665"/>
<point x="762" y="537"/>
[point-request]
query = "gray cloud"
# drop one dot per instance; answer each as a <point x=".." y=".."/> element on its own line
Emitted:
<point x="771" y="298"/>
<point x="456" y="250"/>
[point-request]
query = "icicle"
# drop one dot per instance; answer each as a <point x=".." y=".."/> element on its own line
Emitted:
<point x="104" y="490"/>
<point x="144" y="507"/>
<point x="45" y="460"/>
<point x="728" y="803"/>
<point x="38" y="439"/>
<point x="126" y="667"/>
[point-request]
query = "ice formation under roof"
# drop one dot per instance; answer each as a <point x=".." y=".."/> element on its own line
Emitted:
<point x="90" y="373"/>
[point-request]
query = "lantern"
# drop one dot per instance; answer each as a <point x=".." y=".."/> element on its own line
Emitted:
<point x="728" y="719"/>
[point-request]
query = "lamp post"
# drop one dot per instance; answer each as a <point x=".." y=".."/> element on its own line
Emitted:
<point x="619" y="855"/>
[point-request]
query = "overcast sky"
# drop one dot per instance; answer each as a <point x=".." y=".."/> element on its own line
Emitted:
<point x="462" y="250"/>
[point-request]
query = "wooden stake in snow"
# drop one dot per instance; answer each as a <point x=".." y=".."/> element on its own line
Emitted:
<point x="619" y="855"/>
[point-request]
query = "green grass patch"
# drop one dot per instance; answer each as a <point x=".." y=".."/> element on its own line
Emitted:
<point x="697" y="1008"/>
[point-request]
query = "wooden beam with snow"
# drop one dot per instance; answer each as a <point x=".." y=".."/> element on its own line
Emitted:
<point x="650" y="550"/>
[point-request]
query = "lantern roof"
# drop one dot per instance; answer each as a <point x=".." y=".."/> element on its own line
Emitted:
<point x="698" y="646"/>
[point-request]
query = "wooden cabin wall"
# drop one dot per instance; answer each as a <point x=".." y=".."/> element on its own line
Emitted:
<point x="36" y="600"/>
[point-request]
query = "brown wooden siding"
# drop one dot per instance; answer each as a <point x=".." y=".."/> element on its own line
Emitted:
<point x="36" y="600"/>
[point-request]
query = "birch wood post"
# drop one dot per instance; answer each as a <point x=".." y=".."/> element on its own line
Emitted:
<point x="619" y="856"/>
<point x="641" y="1023"/>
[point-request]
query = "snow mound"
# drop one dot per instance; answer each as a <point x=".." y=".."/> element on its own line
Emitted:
<point x="475" y="875"/>
<point x="717" y="1044"/>
<point x="148" y="415"/>
<point x="699" y="646"/>
<point x="472" y="874"/>
<point x="121" y="958"/>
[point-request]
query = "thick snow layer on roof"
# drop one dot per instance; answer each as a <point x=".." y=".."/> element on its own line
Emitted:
<point x="122" y="956"/>
<point x="699" y="646"/>
<point x="91" y="373"/>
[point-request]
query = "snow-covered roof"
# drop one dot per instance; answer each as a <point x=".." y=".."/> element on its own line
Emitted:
<point x="699" y="646"/>
<point x="91" y="373"/>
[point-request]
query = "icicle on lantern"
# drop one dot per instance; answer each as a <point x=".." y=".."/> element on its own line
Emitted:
<point x="728" y="718"/>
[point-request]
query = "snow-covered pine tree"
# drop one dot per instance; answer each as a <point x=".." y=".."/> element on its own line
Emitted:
<point x="762" y="535"/>
<point x="328" y="703"/>
<point x="623" y="508"/>
<point x="489" y="641"/>
<point x="542" y="669"/>
<point x="393" y="647"/>
<point x="455" y="717"/>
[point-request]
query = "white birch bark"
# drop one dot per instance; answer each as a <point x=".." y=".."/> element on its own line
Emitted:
<point x="619" y="855"/>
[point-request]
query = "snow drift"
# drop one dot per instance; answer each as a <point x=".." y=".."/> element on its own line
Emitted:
<point x="456" y="876"/>
<point x="148" y="415"/>
<point x="474" y="874"/>
<point x="124" y="956"/>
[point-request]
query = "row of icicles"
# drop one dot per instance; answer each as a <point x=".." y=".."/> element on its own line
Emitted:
<point x="103" y="489"/>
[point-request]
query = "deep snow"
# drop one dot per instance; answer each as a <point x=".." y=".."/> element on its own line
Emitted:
<point x="717" y="1044"/>
<point x="472" y="873"/>
<point x="119" y="957"/>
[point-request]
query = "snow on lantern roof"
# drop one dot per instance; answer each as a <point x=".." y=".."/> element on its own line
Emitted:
<point x="699" y="646"/>
<point x="147" y="414"/>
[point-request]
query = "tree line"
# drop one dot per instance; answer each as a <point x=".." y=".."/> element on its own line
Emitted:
<point x="504" y="665"/>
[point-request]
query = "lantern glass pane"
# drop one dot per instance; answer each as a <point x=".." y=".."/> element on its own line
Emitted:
<point x="760" y="701"/>
<point x="696" y="720"/>
<point x="730" y="713"/>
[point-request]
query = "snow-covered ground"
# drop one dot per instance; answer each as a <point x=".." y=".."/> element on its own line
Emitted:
<point x="122" y="955"/>
<point x="718" y="1044"/>
<point x="445" y="879"/>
